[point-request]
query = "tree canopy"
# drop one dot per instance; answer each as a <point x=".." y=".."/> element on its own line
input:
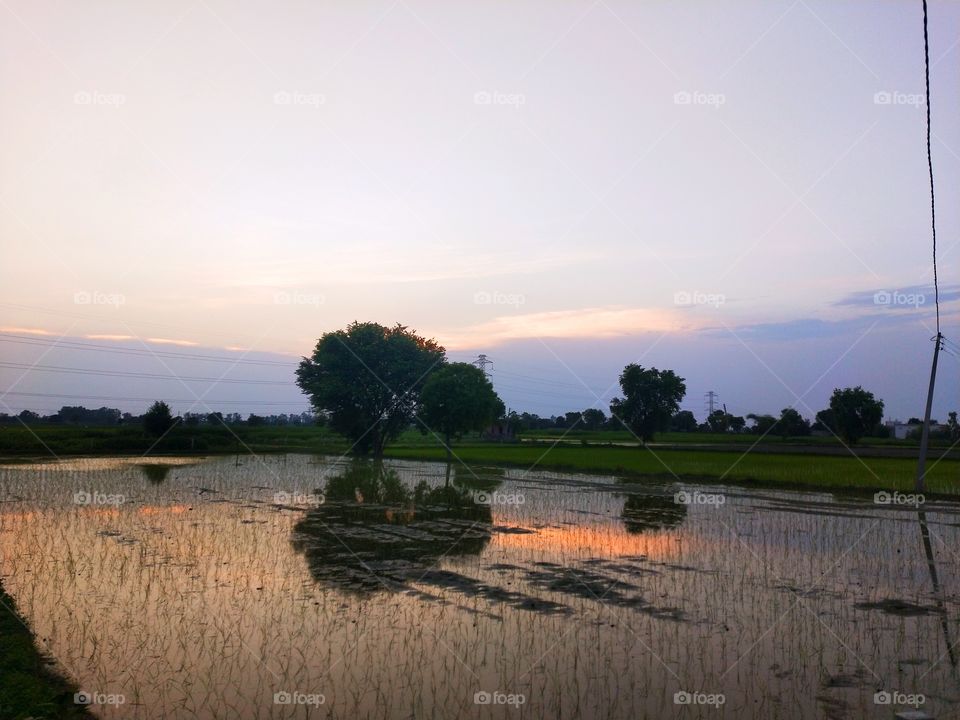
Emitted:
<point x="459" y="398"/>
<point x="854" y="412"/>
<point x="651" y="397"/>
<point x="367" y="379"/>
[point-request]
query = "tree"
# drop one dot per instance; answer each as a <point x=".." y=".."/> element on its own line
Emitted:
<point x="592" y="419"/>
<point x="158" y="419"/>
<point x="684" y="421"/>
<point x="762" y="424"/>
<point x="855" y="412"/>
<point x="719" y="421"/>
<point x="792" y="423"/>
<point x="952" y="425"/>
<point x="28" y="417"/>
<point x="737" y="423"/>
<point x="367" y="379"/>
<point x="651" y="397"/>
<point x="826" y="421"/>
<point x="458" y="398"/>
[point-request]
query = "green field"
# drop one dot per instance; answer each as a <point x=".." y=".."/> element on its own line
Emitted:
<point x="29" y="688"/>
<point x="708" y="457"/>
<point x="778" y="469"/>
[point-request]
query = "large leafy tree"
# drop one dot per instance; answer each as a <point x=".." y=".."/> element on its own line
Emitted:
<point x="459" y="398"/>
<point x="651" y="397"/>
<point x="367" y="379"/>
<point x="855" y="412"/>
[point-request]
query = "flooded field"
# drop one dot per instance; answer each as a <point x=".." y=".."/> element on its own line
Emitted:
<point x="302" y="586"/>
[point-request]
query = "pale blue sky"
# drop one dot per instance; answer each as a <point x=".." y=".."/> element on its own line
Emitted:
<point x="720" y="188"/>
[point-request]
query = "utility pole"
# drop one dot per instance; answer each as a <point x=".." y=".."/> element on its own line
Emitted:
<point x="481" y="362"/>
<point x="711" y="399"/>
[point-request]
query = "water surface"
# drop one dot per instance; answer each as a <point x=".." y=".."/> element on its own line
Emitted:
<point x="210" y="588"/>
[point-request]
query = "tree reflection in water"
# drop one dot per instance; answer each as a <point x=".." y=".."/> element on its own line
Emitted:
<point x="642" y="513"/>
<point x="374" y="533"/>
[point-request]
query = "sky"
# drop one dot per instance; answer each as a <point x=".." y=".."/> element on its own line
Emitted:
<point x="737" y="191"/>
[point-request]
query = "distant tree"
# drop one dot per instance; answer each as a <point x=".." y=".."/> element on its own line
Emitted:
<point x="953" y="425"/>
<point x="651" y="397"/>
<point x="855" y="411"/>
<point x="457" y="399"/>
<point x="762" y="424"/>
<point x="792" y="423"/>
<point x="913" y="421"/>
<point x="592" y="419"/>
<point x="29" y="417"/>
<point x="214" y="418"/>
<point x="368" y="379"/>
<point x="683" y="421"/>
<point x="158" y="419"/>
<point x="718" y="421"/>
<point x="825" y="421"/>
<point x="737" y="423"/>
<point x="255" y="420"/>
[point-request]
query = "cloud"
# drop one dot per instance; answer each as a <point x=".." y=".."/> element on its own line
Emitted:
<point x="168" y="341"/>
<point x="911" y="297"/>
<point x="599" y="323"/>
<point x="26" y="331"/>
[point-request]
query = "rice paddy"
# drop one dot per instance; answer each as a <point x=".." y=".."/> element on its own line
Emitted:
<point x="296" y="586"/>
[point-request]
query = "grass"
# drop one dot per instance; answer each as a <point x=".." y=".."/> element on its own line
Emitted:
<point x="621" y="436"/>
<point x="773" y="467"/>
<point x="29" y="687"/>
<point x="779" y="469"/>
<point x="60" y="440"/>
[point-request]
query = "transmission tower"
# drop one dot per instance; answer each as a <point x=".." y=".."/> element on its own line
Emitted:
<point x="481" y="362"/>
<point x="711" y="398"/>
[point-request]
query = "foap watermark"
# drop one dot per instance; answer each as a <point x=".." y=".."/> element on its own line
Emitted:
<point x="898" y="498"/>
<point x="495" y="97"/>
<point x="85" y="697"/>
<point x="895" y="298"/>
<point x="98" y="498"/>
<point x="95" y="297"/>
<point x="297" y="298"/>
<point x="495" y="497"/>
<point x="895" y="97"/>
<point x="298" y="97"/>
<point x="482" y="697"/>
<point x="295" y="697"/>
<point x="685" y="497"/>
<point x="699" y="97"/>
<point x="684" y="697"/>
<point x="895" y="697"/>
<point x="695" y="297"/>
<point x="298" y="498"/>
<point x="95" y="97"/>
<point x="484" y="297"/>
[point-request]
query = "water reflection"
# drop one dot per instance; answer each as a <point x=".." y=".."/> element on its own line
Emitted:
<point x="643" y="513"/>
<point x="155" y="474"/>
<point x="373" y="533"/>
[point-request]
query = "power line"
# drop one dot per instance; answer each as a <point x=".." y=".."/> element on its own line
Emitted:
<point x="113" y="398"/>
<point x="142" y="376"/>
<point x="74" y="345"/>
<point x="933" y="206"/>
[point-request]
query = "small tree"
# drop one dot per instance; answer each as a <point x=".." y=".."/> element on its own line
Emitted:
<point x="719" y="421"/>
<point x="792" y="423"/>
<point x="684" y="421"/>
<point x="855" y="412"/>
<point x="458" y="398"/>
<point x="762" y="424"/>
<point x="158" y="419"/>
<point x="651" y="397"/>
<point x="592" y="419"/>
